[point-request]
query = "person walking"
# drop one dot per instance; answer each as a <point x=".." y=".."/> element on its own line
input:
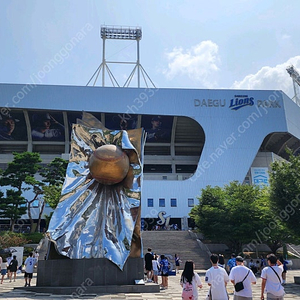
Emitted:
<point x="36" y="255"/>
<point x="221" y="262"/>
<point x="3" y="268"/>
<point x="272" y="279"/>
<point x="13" y="268"/>
<point x="29" y="265"/>
<point x="284" y="263"/>
<point x="241" y="273"/>
<point x="190" y="281"/>
<point x="164" y="268"/>
<point x="155" y="268"/>
<point x="231" y="263"/>
<point x="8" y="260"/>
<point x="217" y="278"/>
<point x="177" y="263"/>
<point x="148" y="264"/>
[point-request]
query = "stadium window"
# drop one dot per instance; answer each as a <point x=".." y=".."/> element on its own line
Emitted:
<point x="150" y="202"/>
<point x="191" y="202"/>
<point x="157" y="168"/>
<point x="162" y="202"/>
<point x="173" y="202"/>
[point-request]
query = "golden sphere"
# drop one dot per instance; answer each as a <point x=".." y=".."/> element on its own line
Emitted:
<point x="109" y="164"/>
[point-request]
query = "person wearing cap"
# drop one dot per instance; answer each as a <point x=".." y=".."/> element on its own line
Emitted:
<point x="272" y="279"/>
<point x="7" y="126"/>
<point x="156" y="133"/>
<point x="241" y="273"/>
<point x="45" y="127"/>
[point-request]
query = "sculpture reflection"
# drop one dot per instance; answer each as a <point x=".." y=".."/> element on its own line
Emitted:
<point x="92" y="219"/>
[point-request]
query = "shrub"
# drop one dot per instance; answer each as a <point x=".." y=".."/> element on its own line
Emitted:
<point x="12" y="239"/>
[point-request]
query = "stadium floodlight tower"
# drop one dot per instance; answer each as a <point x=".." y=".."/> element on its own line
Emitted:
<point x="121" y="33"/>
<point x="296" y="82"/>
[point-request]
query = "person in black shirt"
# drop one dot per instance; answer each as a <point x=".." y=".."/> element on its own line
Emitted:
<point x="148" y="264"/>
<point x="13" y="268"/>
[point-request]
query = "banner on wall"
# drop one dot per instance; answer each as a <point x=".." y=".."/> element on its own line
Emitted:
<point x="260" y="176"/>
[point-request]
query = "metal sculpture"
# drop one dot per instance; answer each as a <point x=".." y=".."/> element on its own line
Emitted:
<point x="96" y="217"/>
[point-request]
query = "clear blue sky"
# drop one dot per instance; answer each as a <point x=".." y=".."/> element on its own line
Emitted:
<point x="185" y="44"/>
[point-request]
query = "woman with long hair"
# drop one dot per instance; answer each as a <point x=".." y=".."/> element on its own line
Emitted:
<point x="155" y="268"/>
<point x="164" y="268"/>
<point x="190" y="280"/>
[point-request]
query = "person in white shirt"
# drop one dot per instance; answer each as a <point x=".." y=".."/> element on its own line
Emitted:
<point x="242" y="273"/>
<point x="36" y="255"/>
<point x="189" y="276"/>
<point x="29" y="265"/>
<point x="272" y="279"/>
<point x="217" y="278"/>
<point x="155" y="268"/>
<point x="8" y="260"/>
<point x="3" y="268"/>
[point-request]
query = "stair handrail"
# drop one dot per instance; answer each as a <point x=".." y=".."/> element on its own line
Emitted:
<point x="204" y="247"/>
<point x="295" y="253"/>
<point x="192" y="234"/>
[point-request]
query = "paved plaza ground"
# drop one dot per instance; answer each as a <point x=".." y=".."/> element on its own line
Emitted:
<point x="7" y="290"/>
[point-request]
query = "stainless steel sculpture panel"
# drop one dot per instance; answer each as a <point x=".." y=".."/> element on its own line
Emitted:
<point x="96" y="220"/>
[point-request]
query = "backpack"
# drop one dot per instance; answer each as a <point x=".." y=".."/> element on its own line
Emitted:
<point x="187" y="292"/>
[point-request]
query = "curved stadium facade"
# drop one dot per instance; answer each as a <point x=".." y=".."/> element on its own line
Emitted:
<point x="195" y="137"/>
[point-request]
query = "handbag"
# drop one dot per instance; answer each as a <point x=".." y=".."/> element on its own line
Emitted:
<point x="239" y="285"/>
<point x="209" y="296"/>
<point x="276" y="274"/>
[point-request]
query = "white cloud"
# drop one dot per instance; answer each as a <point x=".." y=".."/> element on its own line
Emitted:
<point x="285" y="37"/>
<point x="269" y="78"/>
<point x="199" y="63"/>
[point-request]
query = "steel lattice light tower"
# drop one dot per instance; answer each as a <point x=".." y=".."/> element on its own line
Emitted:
<point x="121" y="33"/>
<point x="296" y="82"/>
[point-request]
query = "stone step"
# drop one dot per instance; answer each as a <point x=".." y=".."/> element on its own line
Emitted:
<point x="180" y="242"/>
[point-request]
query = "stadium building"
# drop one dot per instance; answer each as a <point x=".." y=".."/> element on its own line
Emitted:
<point x="195" y="137"/>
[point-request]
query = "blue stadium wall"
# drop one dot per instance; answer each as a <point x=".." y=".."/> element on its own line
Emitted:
<point x="235" y="123"/>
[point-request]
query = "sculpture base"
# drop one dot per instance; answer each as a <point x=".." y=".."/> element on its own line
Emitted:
<point x="86" y="291"/>
<point x="88" y="272"/>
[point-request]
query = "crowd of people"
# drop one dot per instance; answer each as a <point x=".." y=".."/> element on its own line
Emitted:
<point x="159" y="265"/>
<point x="271" y="270"/>
<point x="11" y="266"/>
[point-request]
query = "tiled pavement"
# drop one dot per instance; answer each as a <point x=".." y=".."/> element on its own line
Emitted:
<point x="7" y="290"/>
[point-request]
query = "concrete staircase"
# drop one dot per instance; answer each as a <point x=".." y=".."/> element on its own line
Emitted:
<point x="183" y="243"/>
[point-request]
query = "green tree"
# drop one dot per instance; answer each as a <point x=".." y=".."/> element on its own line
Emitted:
<point x="54" y="175"/>
<point x="12" y="207"/>
<point x="285" y="192"/>
<point x="52" y="194"/>
<point x="21" y="174"/>
<point x="47" y="190"/>
<point x="23" y="165"/>
<point x="18" y="172"/>
<point x="55" y="172"/>
<point x="232" y="215"/>
<point x="210" y="215"/>
<point x="37" y="189"/>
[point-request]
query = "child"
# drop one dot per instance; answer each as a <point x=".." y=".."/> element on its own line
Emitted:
<point x="3" y="271"/>
<point x="190" y="278"/>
